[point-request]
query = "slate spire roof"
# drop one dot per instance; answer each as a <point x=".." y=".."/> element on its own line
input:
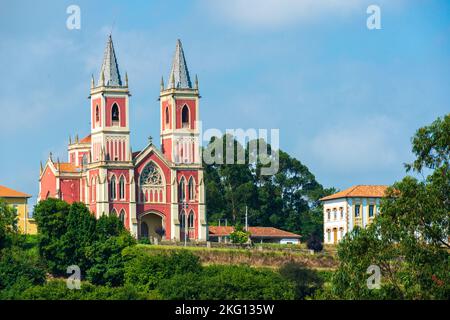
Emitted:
<point x="110" y="68"/>
<point x="179" y="74"/>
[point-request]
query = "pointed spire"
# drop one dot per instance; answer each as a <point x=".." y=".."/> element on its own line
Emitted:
<point x="179" y="75"/>
<point x="70" y="140"/>
<point x="110" y="69"/>
<point x="162" y="83"/>
<point x="126" y="79"/>
<point x="50" y="156"/>
<point x="76" y="138"/>
<point x="196" y="82"/>
<point x="41" y="168"/>
<point x="92" y="82"/>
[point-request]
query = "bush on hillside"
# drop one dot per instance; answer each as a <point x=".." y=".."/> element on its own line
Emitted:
<point x="227" y="283"/>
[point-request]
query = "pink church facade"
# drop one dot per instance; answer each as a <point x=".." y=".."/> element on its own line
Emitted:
<point x="156" y="193"/>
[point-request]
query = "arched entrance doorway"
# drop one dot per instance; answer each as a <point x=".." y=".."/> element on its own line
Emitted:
<point x="152" y="226"/>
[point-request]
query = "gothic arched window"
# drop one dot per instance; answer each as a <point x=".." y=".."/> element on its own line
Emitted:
<point x="191" y="188"/>
<point x="191" y="220"/>
<point x="182" y="220"/>
<point x="112" y="187"/>
<point x="97" y="114"/>
<point x="122" y="187"/>
<point x="122" y="216"/>
<point x="84" y="160"/>
<point x="151" y="176"/>
<point x="114" y="212"/>
<point x="185" y="117"/>
<point x="115" y="113"/>
<point x="167" y="115"/>
<point x="182" y="190"/>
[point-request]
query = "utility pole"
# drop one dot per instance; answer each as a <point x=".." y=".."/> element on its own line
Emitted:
<point x="184" y="205"/>
<point x="246" y="218"/>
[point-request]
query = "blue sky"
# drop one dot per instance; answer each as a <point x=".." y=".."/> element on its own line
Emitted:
<point x="346" y="99"/>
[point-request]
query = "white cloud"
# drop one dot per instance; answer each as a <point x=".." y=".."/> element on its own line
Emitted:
<point x="276" y="13"/>
<point x="358" y="145"/>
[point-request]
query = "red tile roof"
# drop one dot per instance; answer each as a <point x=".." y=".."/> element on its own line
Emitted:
<point x="6" y="192"/>
<point x="367" y="191"/>
<point x="255" y="232"/>
<point x="66" y="167"/>
<point x="86" y="139"/>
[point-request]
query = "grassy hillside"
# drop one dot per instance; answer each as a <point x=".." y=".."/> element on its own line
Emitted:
<point x="257" y="258"/>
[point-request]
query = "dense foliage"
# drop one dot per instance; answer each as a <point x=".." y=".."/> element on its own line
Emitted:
<point x="409" y="240"/>
<point x="288" y="199"/>
<point x="8" y="224"/>
<point x="71" y="235"/>
<point x="227" y="282"/>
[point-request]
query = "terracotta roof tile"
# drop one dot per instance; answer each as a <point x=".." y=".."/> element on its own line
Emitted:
<point x="6" y="192"/>
<point x="369" y="191"/>
<point x="259" y="232"/>
<point x="66" y="167"/>
<point x="86" y="139"/>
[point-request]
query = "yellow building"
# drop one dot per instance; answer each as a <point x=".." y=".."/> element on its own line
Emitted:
<point x="19" y="201"/>
<point x="355" y="206"/>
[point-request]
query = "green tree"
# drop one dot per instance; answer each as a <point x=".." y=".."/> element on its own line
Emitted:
<point x="145" y="271"/>
<point x="227" y="283"/>
<point x="51" y="218"/>
<point x="19" y="269"/>
<point x="8" y="224"/>
<point x="409" y="240"/>
<point x="306" y="281"/>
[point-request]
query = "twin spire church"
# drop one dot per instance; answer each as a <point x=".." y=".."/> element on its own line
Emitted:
<point x="156" y="193"/>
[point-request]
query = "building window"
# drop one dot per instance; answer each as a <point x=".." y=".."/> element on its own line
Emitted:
<point x="191" y="220"/>
<point x="341" y="231"/>
<point x="114" y="212"/>
<point x="182" y="190"/>
<point x="191" y="188"/>
<point x="122" y="188"/>
<point x="329" y="235"/>
<point x="335" y="213"/>
<point x="115" y="113"/>
<point x="185" y="117"/>
<point x="97" y="114"/>
<point x="371" y="210"/>
<point x="182" y="220"/>
<point x="122" y="216"/>
<point x="341" y="210"/>
<point x="112" y="187"/>
<point x="328" y="215"/>
<point x="167" y="115"/>
<point x="357" y="210"/>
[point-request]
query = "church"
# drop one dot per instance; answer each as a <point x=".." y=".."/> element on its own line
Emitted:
<point x="157" y="193"/>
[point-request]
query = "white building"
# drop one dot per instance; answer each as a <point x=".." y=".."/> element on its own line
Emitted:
<point x="355" y="206"/>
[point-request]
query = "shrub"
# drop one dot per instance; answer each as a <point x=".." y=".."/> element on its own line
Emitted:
<point x="107" y="260"/>
<point x="306" y="281"/>
<point x="8" y="224"/>
<point x="57" y="290"/>
<point x="227" y="283"/>
<point x="19" y="269"/>
<point x="146" y="271"/>
<point x="314" y="243"/>
<point x="239" y="236"/>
